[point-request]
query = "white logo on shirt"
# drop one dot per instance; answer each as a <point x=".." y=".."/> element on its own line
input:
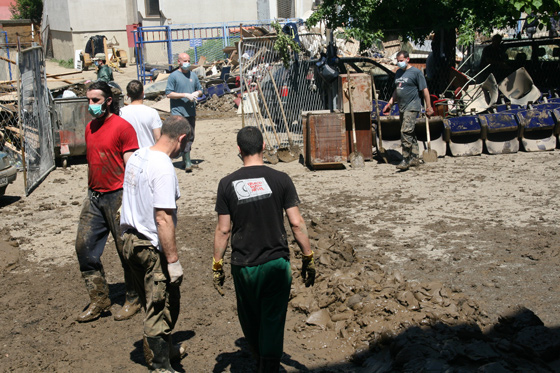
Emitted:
<point x="249" y="190"/>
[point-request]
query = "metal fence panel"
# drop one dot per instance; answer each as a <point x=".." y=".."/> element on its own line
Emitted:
<point x="35" y="119"/>
<point x="278" y="95"/>
<point x="158" y="46"/>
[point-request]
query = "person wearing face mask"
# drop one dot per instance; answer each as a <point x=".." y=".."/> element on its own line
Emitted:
<point x="409" y="82"/>
<point x="183" y="88"/>
<point x="110" y="141"/>
<point x="104" y="72"/>
<point x="148" y="221"/>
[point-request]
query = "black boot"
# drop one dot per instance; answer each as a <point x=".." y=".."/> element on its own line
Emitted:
<point x="414" y="162"/>
<point x="404" y="165"/>
<point x="156" y="352"/>
<point x="269" y="365"/>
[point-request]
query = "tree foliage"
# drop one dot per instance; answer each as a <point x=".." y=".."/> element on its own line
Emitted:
<point x="27" y="9"/>
<point x="367" y="20"/>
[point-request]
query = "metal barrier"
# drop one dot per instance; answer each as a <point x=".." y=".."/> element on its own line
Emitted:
<point x="158" y="46"/>
<point x="36" y="127"/>
<point x="10" y="134"/>
<point x="277" y="95"/>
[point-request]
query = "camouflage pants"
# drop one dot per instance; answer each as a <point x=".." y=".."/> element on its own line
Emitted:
<point x="160" y="300"/>
<point x="409" y="142"/>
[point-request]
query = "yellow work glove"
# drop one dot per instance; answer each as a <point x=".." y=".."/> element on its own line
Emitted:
<point x="308" y="269"/>
<point x="219" y="276"/>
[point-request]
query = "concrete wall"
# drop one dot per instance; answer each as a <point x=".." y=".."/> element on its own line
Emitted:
<point x="208" y="11"/>
<point x="73" y="22"/>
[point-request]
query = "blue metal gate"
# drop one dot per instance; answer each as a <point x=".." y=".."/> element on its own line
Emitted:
<point x="157" y="47"/>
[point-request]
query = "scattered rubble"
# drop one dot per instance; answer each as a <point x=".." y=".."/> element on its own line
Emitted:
<point x="394" y="324"/>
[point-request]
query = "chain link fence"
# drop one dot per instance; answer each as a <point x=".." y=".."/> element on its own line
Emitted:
<point x="38" y="146"/>
<point x="10" y="134"/>
<point x="274" y="96"/>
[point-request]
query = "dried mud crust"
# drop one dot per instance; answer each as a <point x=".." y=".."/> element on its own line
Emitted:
<point x="357" y="316"/>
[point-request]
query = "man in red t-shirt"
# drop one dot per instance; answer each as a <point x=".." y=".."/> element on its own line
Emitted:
<point x="110" y="141"/>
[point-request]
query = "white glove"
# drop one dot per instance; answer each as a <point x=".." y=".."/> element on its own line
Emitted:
<point x="196" y="94"/>
<point x="175" y="272"/>
<point x="190" y="97"/>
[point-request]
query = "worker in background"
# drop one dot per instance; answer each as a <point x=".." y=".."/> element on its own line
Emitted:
<point x="104" y="72"/>
<point x="144" y="119"/>
<point x="254" y="199"/>
<point x="183" y="88"/>
<point x="148" y="220"/>
<point x="495" y="56"/>
<point x="409" y="82"/>
<point x="110" y="141"/>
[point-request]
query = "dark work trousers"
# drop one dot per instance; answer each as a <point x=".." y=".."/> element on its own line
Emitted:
<point x="99" y="216"/>
<point x="262" y="295"/>
<point x="192" y="122"/>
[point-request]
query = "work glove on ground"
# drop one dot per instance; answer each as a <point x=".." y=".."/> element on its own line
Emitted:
<point x="308" y="269"/>
<point x="190" y="96"/>
<point x="175" y="273"/>
<point x="219" y="276"/>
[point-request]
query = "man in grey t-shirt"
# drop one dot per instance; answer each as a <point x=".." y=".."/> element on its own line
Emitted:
<point x="409" y="81"/>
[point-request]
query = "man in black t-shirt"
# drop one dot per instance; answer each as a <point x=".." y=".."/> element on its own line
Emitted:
<point x="253" y="199"/>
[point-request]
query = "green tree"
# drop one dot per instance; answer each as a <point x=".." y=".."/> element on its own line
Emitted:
<point x="27" y="9"/>
<point x="366" y="20"/>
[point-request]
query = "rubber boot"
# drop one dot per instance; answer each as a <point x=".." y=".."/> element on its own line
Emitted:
<point x="98" y="290"/>
<point x="414" y="162"/>
<point x="130" y="307"/>
<point x="187" y="160"/>
<point x="156" y="353"/>
<point x="404" y="165"/>
<point x="269" y="365"/>
<point x="176" y="351"/>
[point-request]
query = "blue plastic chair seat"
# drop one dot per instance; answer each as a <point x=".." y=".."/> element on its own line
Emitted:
<point x="532" y="120"/>
<point x="465" y="125"/>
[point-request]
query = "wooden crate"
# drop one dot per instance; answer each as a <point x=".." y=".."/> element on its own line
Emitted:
<point x="324" y="139"/>
<point x="364" y="136"/>
<point x="361" y="93"/>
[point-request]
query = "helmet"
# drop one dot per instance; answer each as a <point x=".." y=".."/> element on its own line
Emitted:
<point x="99" y="56"/>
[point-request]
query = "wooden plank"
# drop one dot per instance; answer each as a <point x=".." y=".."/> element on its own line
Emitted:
<point x="12" y="148"/>
<point x="8" y="60"/>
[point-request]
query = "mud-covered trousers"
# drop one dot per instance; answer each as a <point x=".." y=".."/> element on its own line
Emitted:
<point x="409" y="142"/>
<point x="262" y="295"/>
<point x="150" y="278"/>
<point x="99" y="216"/>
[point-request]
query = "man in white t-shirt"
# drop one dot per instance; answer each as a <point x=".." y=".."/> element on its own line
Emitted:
<point x="144" y="119"/>
<point x="148" y="220"/>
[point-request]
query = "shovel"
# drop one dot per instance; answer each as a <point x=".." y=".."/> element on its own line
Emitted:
<point x="269" y="154"/>
<point x="293" y="150"/>
<point x="381" y="150"/>
<point x="429" y="155"/>
<point x="356" y="158"/>
<point x="282" y="153"/>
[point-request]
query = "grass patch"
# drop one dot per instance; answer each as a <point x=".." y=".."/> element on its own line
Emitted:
<point x="69" y="64"/>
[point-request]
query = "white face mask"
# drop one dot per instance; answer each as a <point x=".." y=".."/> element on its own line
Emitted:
<point x="401" y="64"/>
<point x="186" y="65"/>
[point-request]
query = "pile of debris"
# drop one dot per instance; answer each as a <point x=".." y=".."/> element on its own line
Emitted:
<point x="394" y="324"/>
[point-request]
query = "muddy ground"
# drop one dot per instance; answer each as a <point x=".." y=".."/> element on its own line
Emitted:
<point x="451" y="266"/>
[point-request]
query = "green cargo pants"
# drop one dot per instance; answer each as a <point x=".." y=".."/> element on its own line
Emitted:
<point x="262" y="295"/>
<point x="160" y="300"/>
